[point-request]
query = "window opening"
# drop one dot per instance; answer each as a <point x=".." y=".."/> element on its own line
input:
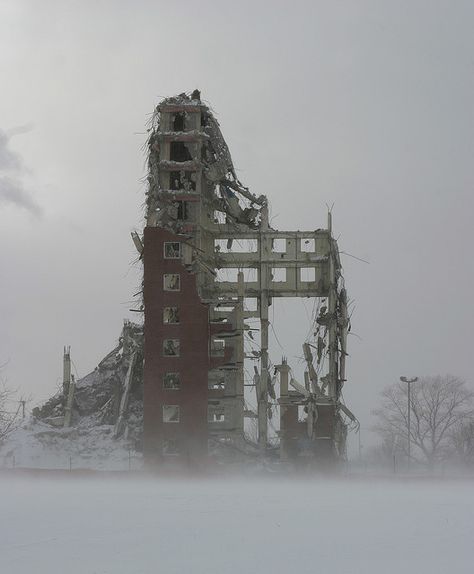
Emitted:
<point x="171" y="381"/>
<point x="171" y="315"/>
<point x="279" y="245"/>
<point x="250" y="275"/>
<point x="278" y="275"/>
<point x="228" y="274"/>
<point x="171" y="413"/>
<point x="217" y="385"/>
<point x="171" y="282"/>
<point x="182" y="213"/>
<point x="250" y="303"/>
<point x="171" y="447"/>
<point x="172" y="250"/>
<point x="179" y="151"/>
<point x="219" y="217"/>
<point x="236" y="246"/>
<point x="307" y="274"/>
<point x="308" y="245"/>
<point x="171" y="347"/>
<point x="216" y="415"/>
<point x="179" y="120"/>
<point x="217" y="347"/>
<point x="183" y="180"/>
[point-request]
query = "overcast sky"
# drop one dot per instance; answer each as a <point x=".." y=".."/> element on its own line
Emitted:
<point x="364" y="104"/>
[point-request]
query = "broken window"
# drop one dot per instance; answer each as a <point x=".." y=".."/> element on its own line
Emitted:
<point x="179" y="151"/>
<point x="224" y="308"/>
<point x="183" y="180"/>
<point x="236" y="246"/>
<point x="302" y="416"/>
<point x="171" y="282"/>
<point x="217" y="384"/>
<point x="219" y="217"/>
<point x="179" y="122"/>
<point x="171" y="447"/>
<point x="171" y="381"/>
<point x="216" y="414"/>
<point x="171" y="347"/>
<point x="182" y="213"/>
<point x="171" y="413"/>
<point x="171" y="315"/>
<point x="172" y="250"/>
<point x="217" y="347"/>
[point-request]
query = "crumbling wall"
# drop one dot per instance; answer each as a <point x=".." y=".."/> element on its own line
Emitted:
<point x="224" y="190"/>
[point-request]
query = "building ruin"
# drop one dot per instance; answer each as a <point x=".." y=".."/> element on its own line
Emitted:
<point x="178" y="384"/>
<point x="212" y="261"/>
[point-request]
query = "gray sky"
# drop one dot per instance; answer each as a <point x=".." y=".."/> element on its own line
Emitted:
<point x="364" y="104"/>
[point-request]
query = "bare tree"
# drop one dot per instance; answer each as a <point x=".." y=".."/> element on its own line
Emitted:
<point x="462" y="439"/>
<point x="438" y="405"/>
<point x="9" y="417"/>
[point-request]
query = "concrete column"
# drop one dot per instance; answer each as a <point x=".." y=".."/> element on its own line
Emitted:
<point x="66" y="370"/>
<point x="332" y="303"/>
<point x="265" y="247"/>
<point x="239" y="391"/>
<point x="284" y="371"/>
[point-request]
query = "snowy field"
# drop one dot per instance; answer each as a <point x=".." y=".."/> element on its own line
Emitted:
<point x="247" y="526"/>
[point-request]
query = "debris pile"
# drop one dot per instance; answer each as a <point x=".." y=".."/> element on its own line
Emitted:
<point x="98" y="418"/>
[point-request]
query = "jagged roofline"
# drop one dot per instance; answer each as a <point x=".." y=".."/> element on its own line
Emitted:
<point x="216" y="160"/>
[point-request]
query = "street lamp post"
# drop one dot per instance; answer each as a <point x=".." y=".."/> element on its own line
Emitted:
<point x="409" y="382"/>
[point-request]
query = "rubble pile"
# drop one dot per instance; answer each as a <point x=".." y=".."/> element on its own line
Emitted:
<point x="106" y="421"/>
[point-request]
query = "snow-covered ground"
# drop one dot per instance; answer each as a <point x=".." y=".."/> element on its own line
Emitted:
<point x="227" y="526"/>
<point x="35" y="444"/>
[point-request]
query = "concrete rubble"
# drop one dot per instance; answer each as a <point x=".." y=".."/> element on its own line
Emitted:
<point x="92" y="436"/>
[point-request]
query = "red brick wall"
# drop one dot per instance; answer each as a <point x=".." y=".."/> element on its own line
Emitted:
<point x="192" y="364"/>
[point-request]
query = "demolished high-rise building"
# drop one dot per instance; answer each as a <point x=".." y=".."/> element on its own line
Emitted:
<point x="211" y="260"/>
<point x="212" y="266"/>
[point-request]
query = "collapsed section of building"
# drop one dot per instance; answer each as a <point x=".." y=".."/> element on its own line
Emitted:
<point x="211" y="264"/>
<point x="112" y="394"/>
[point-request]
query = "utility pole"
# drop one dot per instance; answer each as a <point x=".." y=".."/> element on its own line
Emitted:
<point x="409" y="382"/>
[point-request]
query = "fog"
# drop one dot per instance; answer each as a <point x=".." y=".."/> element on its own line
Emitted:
<point x="233" y="526"/>
<point x="365" y="105"/>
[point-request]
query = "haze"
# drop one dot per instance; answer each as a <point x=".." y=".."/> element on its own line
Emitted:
<point x="366" y="105"/>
